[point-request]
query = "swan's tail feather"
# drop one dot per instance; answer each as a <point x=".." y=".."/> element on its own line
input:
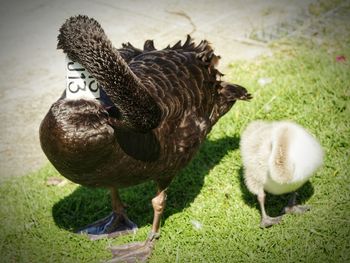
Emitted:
<point x="233" y="92"/>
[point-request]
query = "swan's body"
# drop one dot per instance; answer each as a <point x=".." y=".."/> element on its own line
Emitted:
<point x="278" y="157"/>
<point x="157" y="108"/>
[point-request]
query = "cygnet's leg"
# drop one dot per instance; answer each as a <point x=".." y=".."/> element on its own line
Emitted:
<point x="266" y="220"/>
<point x="293" y="208"/>
<point x="116" y="224"/>
<point x="141" y="251"/>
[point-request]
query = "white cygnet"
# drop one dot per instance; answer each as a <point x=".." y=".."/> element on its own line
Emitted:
<point x="278" y="157"/>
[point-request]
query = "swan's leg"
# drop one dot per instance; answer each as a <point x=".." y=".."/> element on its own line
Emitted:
<point x="266" y="220"/>
<point x="116" y="224"/>
<point x="141" y="251"/>
<point x="158" y="203"/>
<point x="293" y="207"/>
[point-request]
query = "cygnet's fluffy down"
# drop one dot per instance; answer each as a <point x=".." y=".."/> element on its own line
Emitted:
<point x="278" y="157"/>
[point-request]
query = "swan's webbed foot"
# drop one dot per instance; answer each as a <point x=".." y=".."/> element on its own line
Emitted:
<point x="141" y="251"/>
<point x="134" y="252"/>
<point x="110" y="226"/>
<point x="293" y="207"/>
<point x="296" y="209"/>
<point x="268" y="221"/>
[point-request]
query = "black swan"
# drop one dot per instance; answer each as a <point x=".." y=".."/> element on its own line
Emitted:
<point x="278" y="157"/>
<point x="155" y="110"/>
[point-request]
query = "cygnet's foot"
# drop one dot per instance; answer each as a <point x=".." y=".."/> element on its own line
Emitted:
<point x="110" y="226"/>
<point x="268" y="221"/>
<point x="296" y="209"/>
<point x="134" y="252"/>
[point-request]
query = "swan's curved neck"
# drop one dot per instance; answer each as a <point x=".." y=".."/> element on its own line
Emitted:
<point x="84" y="41"/>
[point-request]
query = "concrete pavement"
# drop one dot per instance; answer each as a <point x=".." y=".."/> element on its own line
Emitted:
<point x="32" y="70"/>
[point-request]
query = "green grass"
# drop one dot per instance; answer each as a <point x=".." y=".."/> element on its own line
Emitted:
<point x="308" y="86"/>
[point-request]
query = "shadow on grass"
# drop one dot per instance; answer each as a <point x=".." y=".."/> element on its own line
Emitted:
<point x="86" y="205"/>
<point x="274" y="204"/>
